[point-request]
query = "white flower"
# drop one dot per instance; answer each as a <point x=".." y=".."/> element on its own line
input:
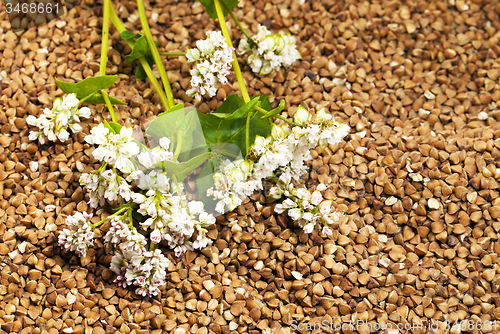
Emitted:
<point x="295" y="213"/>
<point x="268" y="52"/>
<point x="308" y="228"/>
<point x="105" y="184"/>
<point x="54" y="124"/>
<point x="322" y="115"/>
<point x="326" y="230"/>
<point x="115" y="149"/>
<point x="155" y="236"/>
<point x="164" y="143"/>
<point x="153" y="181"/>
<point x="195" y="207"/>
<point x="316" y="198"/>
<point x="80" y="236"/>
<point x="213" y="59"/>
<point x="302" y="116"/>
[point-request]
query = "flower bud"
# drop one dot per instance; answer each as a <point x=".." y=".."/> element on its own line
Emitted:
<point x="237" y="175"/>
<point x="266" y="69"/>
<point x="218" y="177"/>
<point x="322" y="115"/>
<point x="260" y="141"/>
<point x="277" y="132"/>
<point x="309" y="228"/>
<point x="57" y="104"/>
<point x="193" y="54"/>
<point x="246" y="166"/>
<point x="302" y="116"/>
<point x="326" y="205"/>
<point x="164" y="143"/>
<point x="234" y="202"/>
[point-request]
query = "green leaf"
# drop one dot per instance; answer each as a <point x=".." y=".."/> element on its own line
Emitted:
<point x="182" y="169"/>
<point x="219" y="130"/>
<point x="113" y="127"/>
<point x="276" y="110"/>
<point x="137" y="216"/>
<point x="219" y="153"/>
<point x="230" y="104"/>
<point x="240" y="112"/>
<point x="97" y="98"/>
<point x="88" y="86"/>
<point x="204" y="181"/>
<point x="185" y="122"/>
<point x="174" y="108"/>
<point x="210" y="7"/>
<point x="140" y="49"/>
<point x="167" y="123"/>
<point x="140" y="73"/>
<point x="128" y="35"/>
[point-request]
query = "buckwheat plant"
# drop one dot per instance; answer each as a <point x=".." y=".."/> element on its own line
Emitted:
<point x="165" y="195"/>
<point x="283" y="154"/>
<point x="54" y="124"/>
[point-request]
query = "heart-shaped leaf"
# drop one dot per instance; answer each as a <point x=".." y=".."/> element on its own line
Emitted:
<point x="140" y="49"/>
<point x="88" y="86"/>
<point x="219" y="130"/>
<point x="97" y="98"/>
<point x="176" y="122"/>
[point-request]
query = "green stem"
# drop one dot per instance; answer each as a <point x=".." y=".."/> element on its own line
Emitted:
<point x="110" y="106"/>
<point x="247" y="134"/>
<point x="178" y="191"/>
<point x="104" y="55"/>
<point x="176" y="155"/>
<point x="237" y="23"/>
<point x="156" y="85"/>
<point x="172" y="53"/>
<point x="109" y="217"/>
<point x="263" y="111"/>
<point x="155" y="53"/>
<point x="236" y="66"/>
<point x="105" y="35"/>
<point x="178" y="146"/>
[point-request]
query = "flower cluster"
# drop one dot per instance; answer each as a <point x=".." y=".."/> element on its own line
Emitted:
<point x="174" y="222"/>
<point x="233" y="184"/>
<point x="54" y="124"/>
<point x="80" y="236"/>
<point x="309" y="210"/>
<point x="286" y="150"/>
<point x="115" y="149"/>
<point x="268" y="52"/>
<point x="146" y="269"/>
<point x="213" y="59"/>
<point x="132" y="262"/>
<point x="105" y="184"/>
<point x="283" y="153"/>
